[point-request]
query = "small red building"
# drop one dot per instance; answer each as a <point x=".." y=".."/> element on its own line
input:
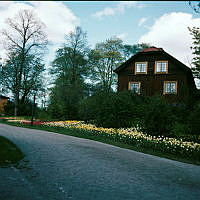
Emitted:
<point x="3" y="102"/>
<point x="153" y="71"/>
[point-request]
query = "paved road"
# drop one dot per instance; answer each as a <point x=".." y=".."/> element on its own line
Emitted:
<point x="59" y="167"/>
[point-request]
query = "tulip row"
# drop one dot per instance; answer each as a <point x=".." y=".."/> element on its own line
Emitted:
<point x="129" y="136"/>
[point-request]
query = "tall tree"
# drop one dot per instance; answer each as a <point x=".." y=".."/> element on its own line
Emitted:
<point x="24" y="38"/>
<point x="130" y="50"/>
<point x="103" y="60"/>
<point x="195" y="32"/>
<point x="70" y="70"/>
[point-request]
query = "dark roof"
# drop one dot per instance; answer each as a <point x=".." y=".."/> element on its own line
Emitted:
<point x="4" y="97"/>
<point x="148" y="51"/>
<point x="152" y="49"/>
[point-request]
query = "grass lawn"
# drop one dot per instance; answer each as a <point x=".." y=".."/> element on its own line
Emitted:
<point x="110" y="140"/>
<point x="9" y="152"/>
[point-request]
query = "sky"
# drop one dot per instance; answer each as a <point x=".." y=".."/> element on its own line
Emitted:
<point x="161" y="23"/>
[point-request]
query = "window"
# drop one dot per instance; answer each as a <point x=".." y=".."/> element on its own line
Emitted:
<point x="135" y="87"/>
<point x="161" y="67"/>
<point x="170" y="87"/>
<point x="141" y="68"/>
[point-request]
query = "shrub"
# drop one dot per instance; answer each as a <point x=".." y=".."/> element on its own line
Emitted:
<point x="9" y="108"/>
<point x="24" y="109"/>
<point x="180" y="129"/>
<point x="111" y="109"/>
<point x="193" y="120"/>
<point x="86" y="108"/>
<point x="42" y="115"/>
<point x="157" y="117"/>
<point x="150" y="115"/>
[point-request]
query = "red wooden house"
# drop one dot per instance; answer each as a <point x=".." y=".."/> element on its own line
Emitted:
<point x="153" y="71"/>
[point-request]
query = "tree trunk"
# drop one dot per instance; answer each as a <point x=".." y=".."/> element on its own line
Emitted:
<point x="16" y="103"/>
<point x="16" y="107"/>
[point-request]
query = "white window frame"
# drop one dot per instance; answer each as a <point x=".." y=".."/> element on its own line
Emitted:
<point x="141" y="63"/>
<point x="165" y="91"/>
<point x="135" y="82"/>
<point x="156" y="67"/>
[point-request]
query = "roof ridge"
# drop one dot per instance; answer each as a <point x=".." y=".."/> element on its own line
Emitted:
<point x="152" y="48"/>
<point x="141" y="52"/>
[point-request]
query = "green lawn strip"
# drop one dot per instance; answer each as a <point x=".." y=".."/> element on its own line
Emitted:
<point x="145" y="147"/>
<point x="9" y="152"/>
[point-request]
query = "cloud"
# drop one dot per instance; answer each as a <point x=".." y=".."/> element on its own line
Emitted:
<point x="170" y="32"/>
<point x="59" y="19"/>
<point x="142" y="21"/>
<point x="122" y="36"/>
<point x="119" y="8"/>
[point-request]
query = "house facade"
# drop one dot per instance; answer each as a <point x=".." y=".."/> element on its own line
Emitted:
<point x="153" y="71"/>
<point x="3" y="101"/>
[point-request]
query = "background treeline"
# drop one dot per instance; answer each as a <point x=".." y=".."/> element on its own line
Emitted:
<point x="80" y="83"/>
<point x="151" y="115"/>
<point x="80" y="71"/>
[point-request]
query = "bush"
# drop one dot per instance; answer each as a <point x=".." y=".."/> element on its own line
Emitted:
<point x="42" y="115"/>
<point x="111" y="109"/>
<point x="157" y="117"/>
<point x="180" y="129"/>
<point x="9" y="108"/>
<point x="150" y="115"/>
<point x="87" y="109"/>
<point x="193" y="120"/>
<point x="25" y="109"/>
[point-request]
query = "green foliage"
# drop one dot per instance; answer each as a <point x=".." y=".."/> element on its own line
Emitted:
<point x="150" y="115"/>
<point x="193" y="120"/>
<point x="106" y="57"/>
<point x="25" y="44"/>
<point x="157" y="117"/>
<point x="195" y="32"/>
<point x="25" y="108"/>
<point x="70" y="61"/>
<point x="111" y="109"/>
<point x="64" y="101"/>
<point x="42" y="115"/>
<point x="103" y="60"/>
<point x="130" y="50"/>
<point x="9" y="108"/>
<point x="70" y="70"/>
<point x="180" y="129"/>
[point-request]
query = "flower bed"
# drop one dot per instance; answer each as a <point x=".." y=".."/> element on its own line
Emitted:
<point x="129" y="136"/>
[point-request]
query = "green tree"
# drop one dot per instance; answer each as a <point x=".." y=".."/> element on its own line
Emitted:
<point x="70" y="70"/>
<point x="130" y="50"/>
<point x="24" y="38"/>
<point x="103" y="60"/>
<point x="195" y="32"/>
<point x="31" y="78"/>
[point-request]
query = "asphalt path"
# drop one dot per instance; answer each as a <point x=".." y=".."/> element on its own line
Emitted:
<point x="60" y="167"/>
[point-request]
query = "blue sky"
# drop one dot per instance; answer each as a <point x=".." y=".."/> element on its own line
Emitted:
<point x="126" y="22"/>
<point x="160" y="23"/>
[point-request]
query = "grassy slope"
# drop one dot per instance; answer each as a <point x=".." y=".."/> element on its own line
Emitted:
<point x="75" y="133"/>
<point x="9" y="152"/>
